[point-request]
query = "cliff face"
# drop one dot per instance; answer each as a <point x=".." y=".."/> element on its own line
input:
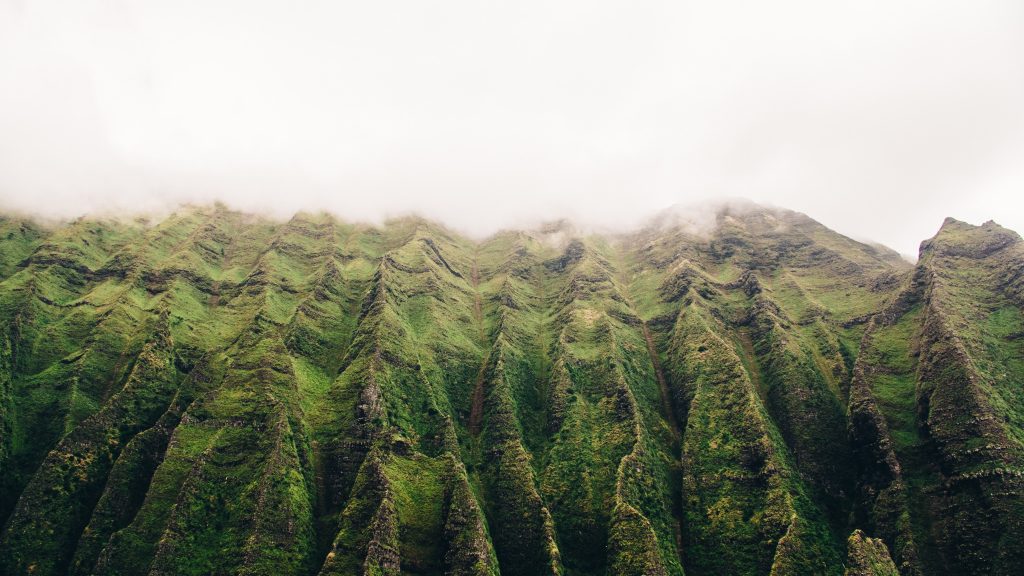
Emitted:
<point x="220" y="394"/>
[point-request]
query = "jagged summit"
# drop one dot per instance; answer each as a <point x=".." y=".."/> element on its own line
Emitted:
<point x="956" y="238"/>
<point x="734" y="391"/>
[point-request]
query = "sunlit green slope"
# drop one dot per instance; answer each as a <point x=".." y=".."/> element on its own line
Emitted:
<point x="217" y="393"/>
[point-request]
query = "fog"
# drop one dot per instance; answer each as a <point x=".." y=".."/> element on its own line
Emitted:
<point x="877" y="118"/>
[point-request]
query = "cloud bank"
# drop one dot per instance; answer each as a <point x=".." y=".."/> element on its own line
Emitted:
<point x="876" y="118"/>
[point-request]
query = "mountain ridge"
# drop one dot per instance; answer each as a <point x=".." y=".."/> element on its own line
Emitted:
<point x="219" y="393"/>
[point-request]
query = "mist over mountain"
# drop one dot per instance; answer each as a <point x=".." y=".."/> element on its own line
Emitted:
<point x="876" y="118"/>
<point x="738" y="390"/>
<point x="464" y="288"/>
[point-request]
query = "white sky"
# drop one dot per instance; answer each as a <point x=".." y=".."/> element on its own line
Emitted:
<point x="878" y="118"/>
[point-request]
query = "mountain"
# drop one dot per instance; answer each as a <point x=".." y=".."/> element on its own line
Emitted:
<point x="748" y="392"/>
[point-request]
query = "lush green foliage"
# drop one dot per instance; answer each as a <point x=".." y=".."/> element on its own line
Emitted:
<point x="217" y="393"/>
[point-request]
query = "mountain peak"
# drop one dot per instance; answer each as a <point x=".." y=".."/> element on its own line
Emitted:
<point x="959" y="238"/>
<point x="727" y="391"/>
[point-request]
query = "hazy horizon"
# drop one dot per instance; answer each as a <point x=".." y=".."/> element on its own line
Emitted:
<point x="697" y="215"/>
<point x="876" y="119"/>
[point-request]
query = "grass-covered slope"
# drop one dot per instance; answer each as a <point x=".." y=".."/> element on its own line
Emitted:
<point x="936" y="413"/>
<point x="217" y="393"/>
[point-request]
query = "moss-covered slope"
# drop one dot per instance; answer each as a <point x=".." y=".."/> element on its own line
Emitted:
<point x="217" y="393"/>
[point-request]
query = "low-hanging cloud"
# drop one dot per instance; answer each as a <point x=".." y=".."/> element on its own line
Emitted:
<point x="877" y="118"/>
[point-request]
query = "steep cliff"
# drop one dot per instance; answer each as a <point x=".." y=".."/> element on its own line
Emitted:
<point x="217" y="393"/>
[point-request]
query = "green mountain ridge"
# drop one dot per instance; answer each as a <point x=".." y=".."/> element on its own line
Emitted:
<point x="219" y="393"/>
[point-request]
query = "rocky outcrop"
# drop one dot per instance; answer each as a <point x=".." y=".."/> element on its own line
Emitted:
<point x="868" y="557"/>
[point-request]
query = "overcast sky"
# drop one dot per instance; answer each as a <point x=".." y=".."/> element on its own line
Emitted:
<point x="878" y="118"/>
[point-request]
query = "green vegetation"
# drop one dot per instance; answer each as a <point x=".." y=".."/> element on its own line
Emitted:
<point x="868" y="557"/>
<point x="218" y="393"/>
